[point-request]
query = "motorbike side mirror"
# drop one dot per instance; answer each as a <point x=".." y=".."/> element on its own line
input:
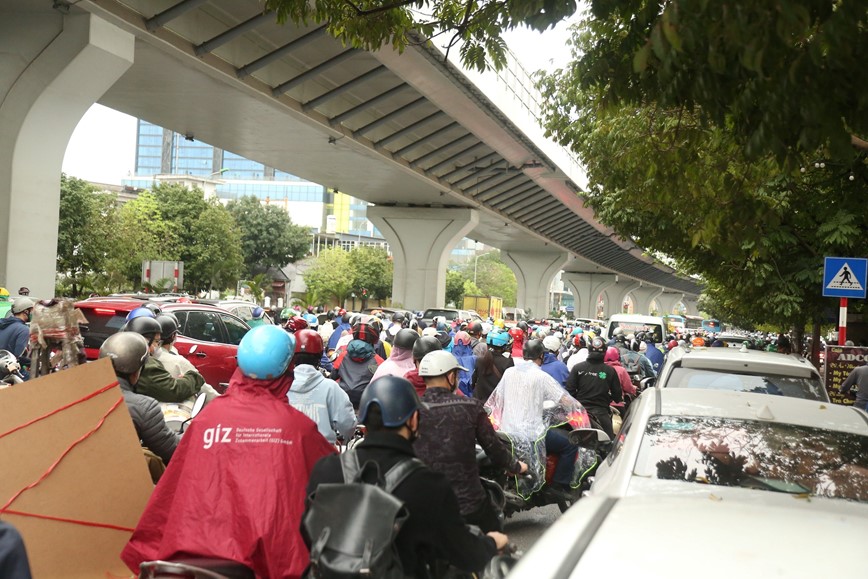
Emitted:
<point x="647" y="382"/>
<point x="198" y="404"/>
<point x="591" y="438"/>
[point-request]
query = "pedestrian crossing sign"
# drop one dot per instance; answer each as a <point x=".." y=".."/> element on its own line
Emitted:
<point x="845" y="277"/>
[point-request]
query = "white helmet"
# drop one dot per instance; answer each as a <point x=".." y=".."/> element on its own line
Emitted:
<point x="429" y="331"/>
<point x="552" y="344"/>
<point x="438" y="363"/>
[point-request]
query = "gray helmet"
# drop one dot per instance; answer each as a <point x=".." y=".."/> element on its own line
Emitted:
<point x="406" y="338"/>
<point x="168" y="326"/>
<point x="127" y="351"/>
<point x="147" y="327"/>
<point x="533" y="349"/>
<point x="22" y="305"/>
<point x="425" y="345"/>
<point x="396" y="398"/>
<point x="439" y="363"/>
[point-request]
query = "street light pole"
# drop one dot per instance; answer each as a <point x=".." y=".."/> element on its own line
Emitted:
<point x="475" y="264"/>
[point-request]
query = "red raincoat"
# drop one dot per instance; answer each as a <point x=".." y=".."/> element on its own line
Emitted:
<point x="235" y="488"/>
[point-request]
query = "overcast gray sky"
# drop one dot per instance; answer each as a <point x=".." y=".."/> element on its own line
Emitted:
<point x="102" y="148"/>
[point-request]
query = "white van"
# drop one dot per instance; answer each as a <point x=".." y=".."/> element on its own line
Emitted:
<point x="633" y="324"/>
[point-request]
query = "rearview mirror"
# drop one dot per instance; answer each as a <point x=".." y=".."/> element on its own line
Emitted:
<point x="199" y="404"/>
<point x="591" y="438"/>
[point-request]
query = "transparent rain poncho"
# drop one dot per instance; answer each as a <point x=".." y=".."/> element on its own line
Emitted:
<point x="525" y="404"/>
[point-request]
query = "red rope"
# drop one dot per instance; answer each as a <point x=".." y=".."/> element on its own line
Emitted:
<point x="61" y="409"/>
<point x="65" y="452"/>
<point x="73" y="521"/>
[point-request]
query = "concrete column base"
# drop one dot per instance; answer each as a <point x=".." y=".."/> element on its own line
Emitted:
<point x="643" y="298"/>
<point x="534" y="271"/>
<point x="61" y="65"/>
<point x="668" y="301"/>
<point x="586" y="288"/>
<point x="421" y="240"/>
<point x="691" y="306"/>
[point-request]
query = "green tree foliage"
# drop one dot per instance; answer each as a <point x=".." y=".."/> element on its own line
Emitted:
<point x="475" y="26"/>
<point x="493" y="278"/>
<point x="84" y="234"/>
<point x="269" y="238"/>
<point x="331" y="274"/>
<point x="372" y="273"/>
<point x="141" y="234"/>
<point x="784" y="76"/>
<point x="755" y="231"/>
<point x="454" y="288"/>
<point x="215" y="259"/>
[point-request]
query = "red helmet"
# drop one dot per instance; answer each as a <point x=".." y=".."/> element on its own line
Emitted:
<point x="295" y="324"/>
<point x="342" y="311"/>
<point x="671" y="344"/>
<point x="516" y="332"/>
<point x="308" y="342"/>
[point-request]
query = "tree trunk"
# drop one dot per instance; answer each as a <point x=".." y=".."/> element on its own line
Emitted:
<point x="798" y="338"/>
<point x="815" y="345"/>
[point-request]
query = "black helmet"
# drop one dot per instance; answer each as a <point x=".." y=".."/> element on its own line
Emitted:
<point x="355" y="319"/>
<point x="522" y="325"/>
<point x="425" y="345"/>
<point x="396" y="398"/>
<point x="444" y="338"/>
<point x="127" y="351"/>
<point x="168" y="326"/>
<point x="147" y="327"/>
<point x="474" y="328"/>
<point x="398" y="317"/>
<point x="153" y="307"/>
<point x="597" y="345"/>
<point x="406" y="339"/>
<point x="533" y="349"/>
<point x="346" y="317"/>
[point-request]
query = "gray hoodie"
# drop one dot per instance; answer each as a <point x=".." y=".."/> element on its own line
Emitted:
<point x="323" y="401"/>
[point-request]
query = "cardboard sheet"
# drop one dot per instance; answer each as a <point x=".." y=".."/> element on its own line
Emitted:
<point x="104" y="479"/>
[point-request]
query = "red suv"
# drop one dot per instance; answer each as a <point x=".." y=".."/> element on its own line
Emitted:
<point x="208" y="336"/>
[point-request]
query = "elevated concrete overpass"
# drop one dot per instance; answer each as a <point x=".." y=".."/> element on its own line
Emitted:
<point x="410" y="133"/>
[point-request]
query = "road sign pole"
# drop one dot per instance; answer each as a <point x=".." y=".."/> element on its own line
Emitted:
<point x="842" y="322"/>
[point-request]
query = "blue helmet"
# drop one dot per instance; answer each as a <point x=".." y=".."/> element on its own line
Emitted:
<point x="396" y="398"/>
<point x="264" y="352"/>
<point x="258" y="312"/>
<point x="577" y="331"/>
<point x="498" y="339"/>
<point x="140" y="312"/>
<point x="311" y="320"/>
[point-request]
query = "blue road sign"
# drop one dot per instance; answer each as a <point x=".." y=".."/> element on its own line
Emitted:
<point x="845" y="277"/>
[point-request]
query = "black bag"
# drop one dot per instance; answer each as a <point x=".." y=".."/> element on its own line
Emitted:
<point x="352" y="525"/>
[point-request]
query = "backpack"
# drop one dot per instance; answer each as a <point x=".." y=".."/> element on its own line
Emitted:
<point x="631" y="363"/>
<point x="352" y="525"/>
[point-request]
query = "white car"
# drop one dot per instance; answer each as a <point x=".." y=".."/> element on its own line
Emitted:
<point x="719" y="484"/>
<point x="742" y="370"/>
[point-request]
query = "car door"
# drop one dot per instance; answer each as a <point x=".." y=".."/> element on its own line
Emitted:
<point x="203" y="343"/>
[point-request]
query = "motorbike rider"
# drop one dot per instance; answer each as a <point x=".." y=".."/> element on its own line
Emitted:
<point x="401" y="359"/>
<point x="355" y="366"/>
<point x="13" y="554"/>
<point x="518" y="408"/>
<point x="434" y="531"/>
<point x="235" y="490"/>
<point x="596" y="385"/>
<point x="449" y="428"/>
<point x="319" y="398"/>
<point x="14" y="332"/>
<point x="423" y="346"/>
<point x="491" y="366"/>
<point x="551" y="364"/>
<point x="343" y="326"/>
<point x="155" y="381"/>
<point x="477" y="342"/>
<point x="128" y="352"/>
<point x="519" y="335"/>
<point x="613" y="359"/>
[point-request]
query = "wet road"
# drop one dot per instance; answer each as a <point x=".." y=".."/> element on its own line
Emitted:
<point x="525" y="528"/>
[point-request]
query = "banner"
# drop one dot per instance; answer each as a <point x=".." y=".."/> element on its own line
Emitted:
<point x="840" y="361"/>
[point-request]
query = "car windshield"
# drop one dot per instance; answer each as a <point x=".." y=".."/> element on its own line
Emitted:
<point x="756" y="454"/>
<point x="635" y="328"/>
<point x="791" y="386"/>
<point x="100" y="325"/>
<point x="448" y="314"/>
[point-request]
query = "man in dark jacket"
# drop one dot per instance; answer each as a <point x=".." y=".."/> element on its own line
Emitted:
<point x="14" y="333"/>
<point x="434" y="531"/>
<point x="596" y="385"/>
<point x="449" y="428"/>
<point x="128" y="352"/>
<point x="13" y="556"/>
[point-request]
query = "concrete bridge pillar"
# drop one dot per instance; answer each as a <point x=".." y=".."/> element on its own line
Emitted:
<point x="586" y="288"/>
<point x="691" y="306"/>
<point x="421" y="240"/>
<point x="644" y="296"/>
<point x="668" y="300"/>
<point x="534" y="271"/>
<point x="615" y="295"/>
<point x="54" y="67"/>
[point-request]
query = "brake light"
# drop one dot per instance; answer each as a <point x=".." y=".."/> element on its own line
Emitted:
<point x="104" y="311"/>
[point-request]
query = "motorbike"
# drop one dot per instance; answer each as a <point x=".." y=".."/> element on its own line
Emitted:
<point x="10" y="370"/>
<point x="195" y="568"/>
<point x="179" y="414"/>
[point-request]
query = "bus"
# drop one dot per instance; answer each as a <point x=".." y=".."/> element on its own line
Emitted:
<point x="693" y="322"/>
<point x="674" y="323"/>
<point x="712" y="326"/>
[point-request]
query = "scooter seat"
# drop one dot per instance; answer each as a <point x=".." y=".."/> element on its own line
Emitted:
<point x="195" y="568"/>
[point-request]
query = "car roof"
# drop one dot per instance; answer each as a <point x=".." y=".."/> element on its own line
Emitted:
<point x="193" y="306"/>
<point x="742" y="360"/>
<point x="704" y="535"/>
<point x="753" y="406"/>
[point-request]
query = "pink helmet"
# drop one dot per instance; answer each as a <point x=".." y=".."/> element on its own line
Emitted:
<point x="462" y="337"/>
<point x="612" y="354"/>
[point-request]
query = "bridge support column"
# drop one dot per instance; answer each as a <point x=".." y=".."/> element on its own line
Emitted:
<point x="421" y="240"/>
<point x="587" y="288"/>
<point x="59" y="65"/>
<point x="617" y="293"/>
<point x="691" y="306"/>
<point x="668" y="301"/>
<point x="534" y="271"/>
<point x="644" y="296"/>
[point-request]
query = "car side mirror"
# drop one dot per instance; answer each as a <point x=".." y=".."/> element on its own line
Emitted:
<point x="591" y="438"/>
<point x="647" y="382"/>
